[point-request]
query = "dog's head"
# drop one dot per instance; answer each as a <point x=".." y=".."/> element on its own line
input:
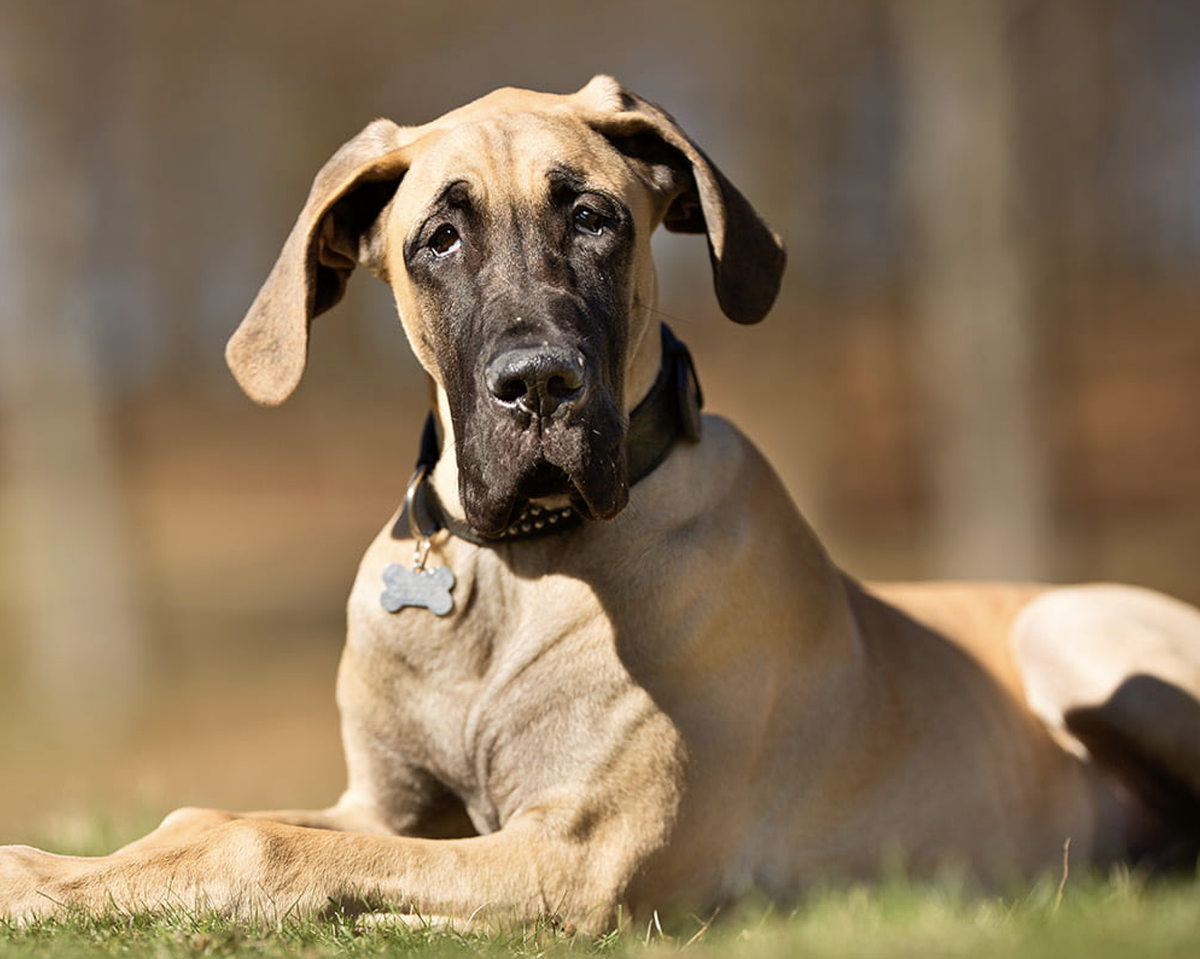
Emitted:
<point x="515" y="234"/>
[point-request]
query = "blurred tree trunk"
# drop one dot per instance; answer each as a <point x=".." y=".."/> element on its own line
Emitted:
<point x="63" y="525"/>
<point x="970" y="290"/>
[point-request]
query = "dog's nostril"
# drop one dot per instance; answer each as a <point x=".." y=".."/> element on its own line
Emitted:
<point x="510" y="391"/>
<point x="565" y="386"/>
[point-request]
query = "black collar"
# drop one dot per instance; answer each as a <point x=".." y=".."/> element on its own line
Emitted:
<point x="669" y="412"/>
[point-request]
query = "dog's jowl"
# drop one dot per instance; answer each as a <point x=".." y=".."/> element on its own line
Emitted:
<point x="597" y="664"/>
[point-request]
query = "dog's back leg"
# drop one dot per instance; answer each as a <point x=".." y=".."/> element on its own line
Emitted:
<point x="1116" y="670"/>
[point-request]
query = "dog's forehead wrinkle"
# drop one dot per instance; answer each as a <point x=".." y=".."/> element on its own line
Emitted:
<point x="525" y="151"/>
<point x="458" y="192"/>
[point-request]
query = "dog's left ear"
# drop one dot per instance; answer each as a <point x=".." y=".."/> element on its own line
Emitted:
<point x="747" y="255"/>
<point x="268" y="351"/>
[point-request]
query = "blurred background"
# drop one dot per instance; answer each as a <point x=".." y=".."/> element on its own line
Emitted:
<point x="984" y="361"/>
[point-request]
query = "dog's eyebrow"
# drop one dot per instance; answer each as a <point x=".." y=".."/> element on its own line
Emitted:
<point x="568" y="178"/>
<point x="456" y="193"/>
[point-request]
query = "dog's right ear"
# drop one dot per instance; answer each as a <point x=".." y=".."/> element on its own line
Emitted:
<point x="332" y="235"/>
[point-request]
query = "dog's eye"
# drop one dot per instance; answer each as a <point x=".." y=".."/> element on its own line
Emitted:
<point x="589" y="221"/>
<point x="445" y="240"/>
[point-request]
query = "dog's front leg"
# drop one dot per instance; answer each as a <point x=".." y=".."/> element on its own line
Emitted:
<point x="258" y="869"/>
<point x="189" y="823"/>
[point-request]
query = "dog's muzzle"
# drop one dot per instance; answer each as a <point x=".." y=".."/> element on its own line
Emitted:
<point x="670" y="412"/>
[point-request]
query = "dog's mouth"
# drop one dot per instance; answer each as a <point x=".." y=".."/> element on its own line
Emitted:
<point x="546" y="484"/>
<point x="549" y="487"/>
<point x="580" y="464"/>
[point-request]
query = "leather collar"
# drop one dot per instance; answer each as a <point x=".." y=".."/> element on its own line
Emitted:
<point x="668" y="413"/>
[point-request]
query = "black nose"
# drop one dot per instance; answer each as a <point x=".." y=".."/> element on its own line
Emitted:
<point x="536" y="380"/>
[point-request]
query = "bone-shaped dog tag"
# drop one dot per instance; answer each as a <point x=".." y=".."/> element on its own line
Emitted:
<point x="427" y="588"/>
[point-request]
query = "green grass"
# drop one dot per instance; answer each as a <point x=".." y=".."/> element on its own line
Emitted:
<point x="1080" y="918"/>
<point x="1104" y="920"/>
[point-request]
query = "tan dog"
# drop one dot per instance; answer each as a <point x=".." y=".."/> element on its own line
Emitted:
<point x="600" y="665"/>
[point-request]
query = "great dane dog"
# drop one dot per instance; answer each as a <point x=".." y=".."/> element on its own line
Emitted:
<point x="598" y="665"/>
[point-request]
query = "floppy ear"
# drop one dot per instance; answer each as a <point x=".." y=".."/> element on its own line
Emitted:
<point x="268" y="351"/>
<point x="747" y="256"/>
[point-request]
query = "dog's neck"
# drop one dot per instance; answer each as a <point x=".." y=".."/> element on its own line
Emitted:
<point x="669" y="412"/>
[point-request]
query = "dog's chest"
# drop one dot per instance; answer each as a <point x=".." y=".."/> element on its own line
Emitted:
<point x="471" y="697"/>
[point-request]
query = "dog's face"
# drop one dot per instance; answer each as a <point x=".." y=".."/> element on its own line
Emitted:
<point x="517" y="251"/>
<point x="515" y="235"/>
